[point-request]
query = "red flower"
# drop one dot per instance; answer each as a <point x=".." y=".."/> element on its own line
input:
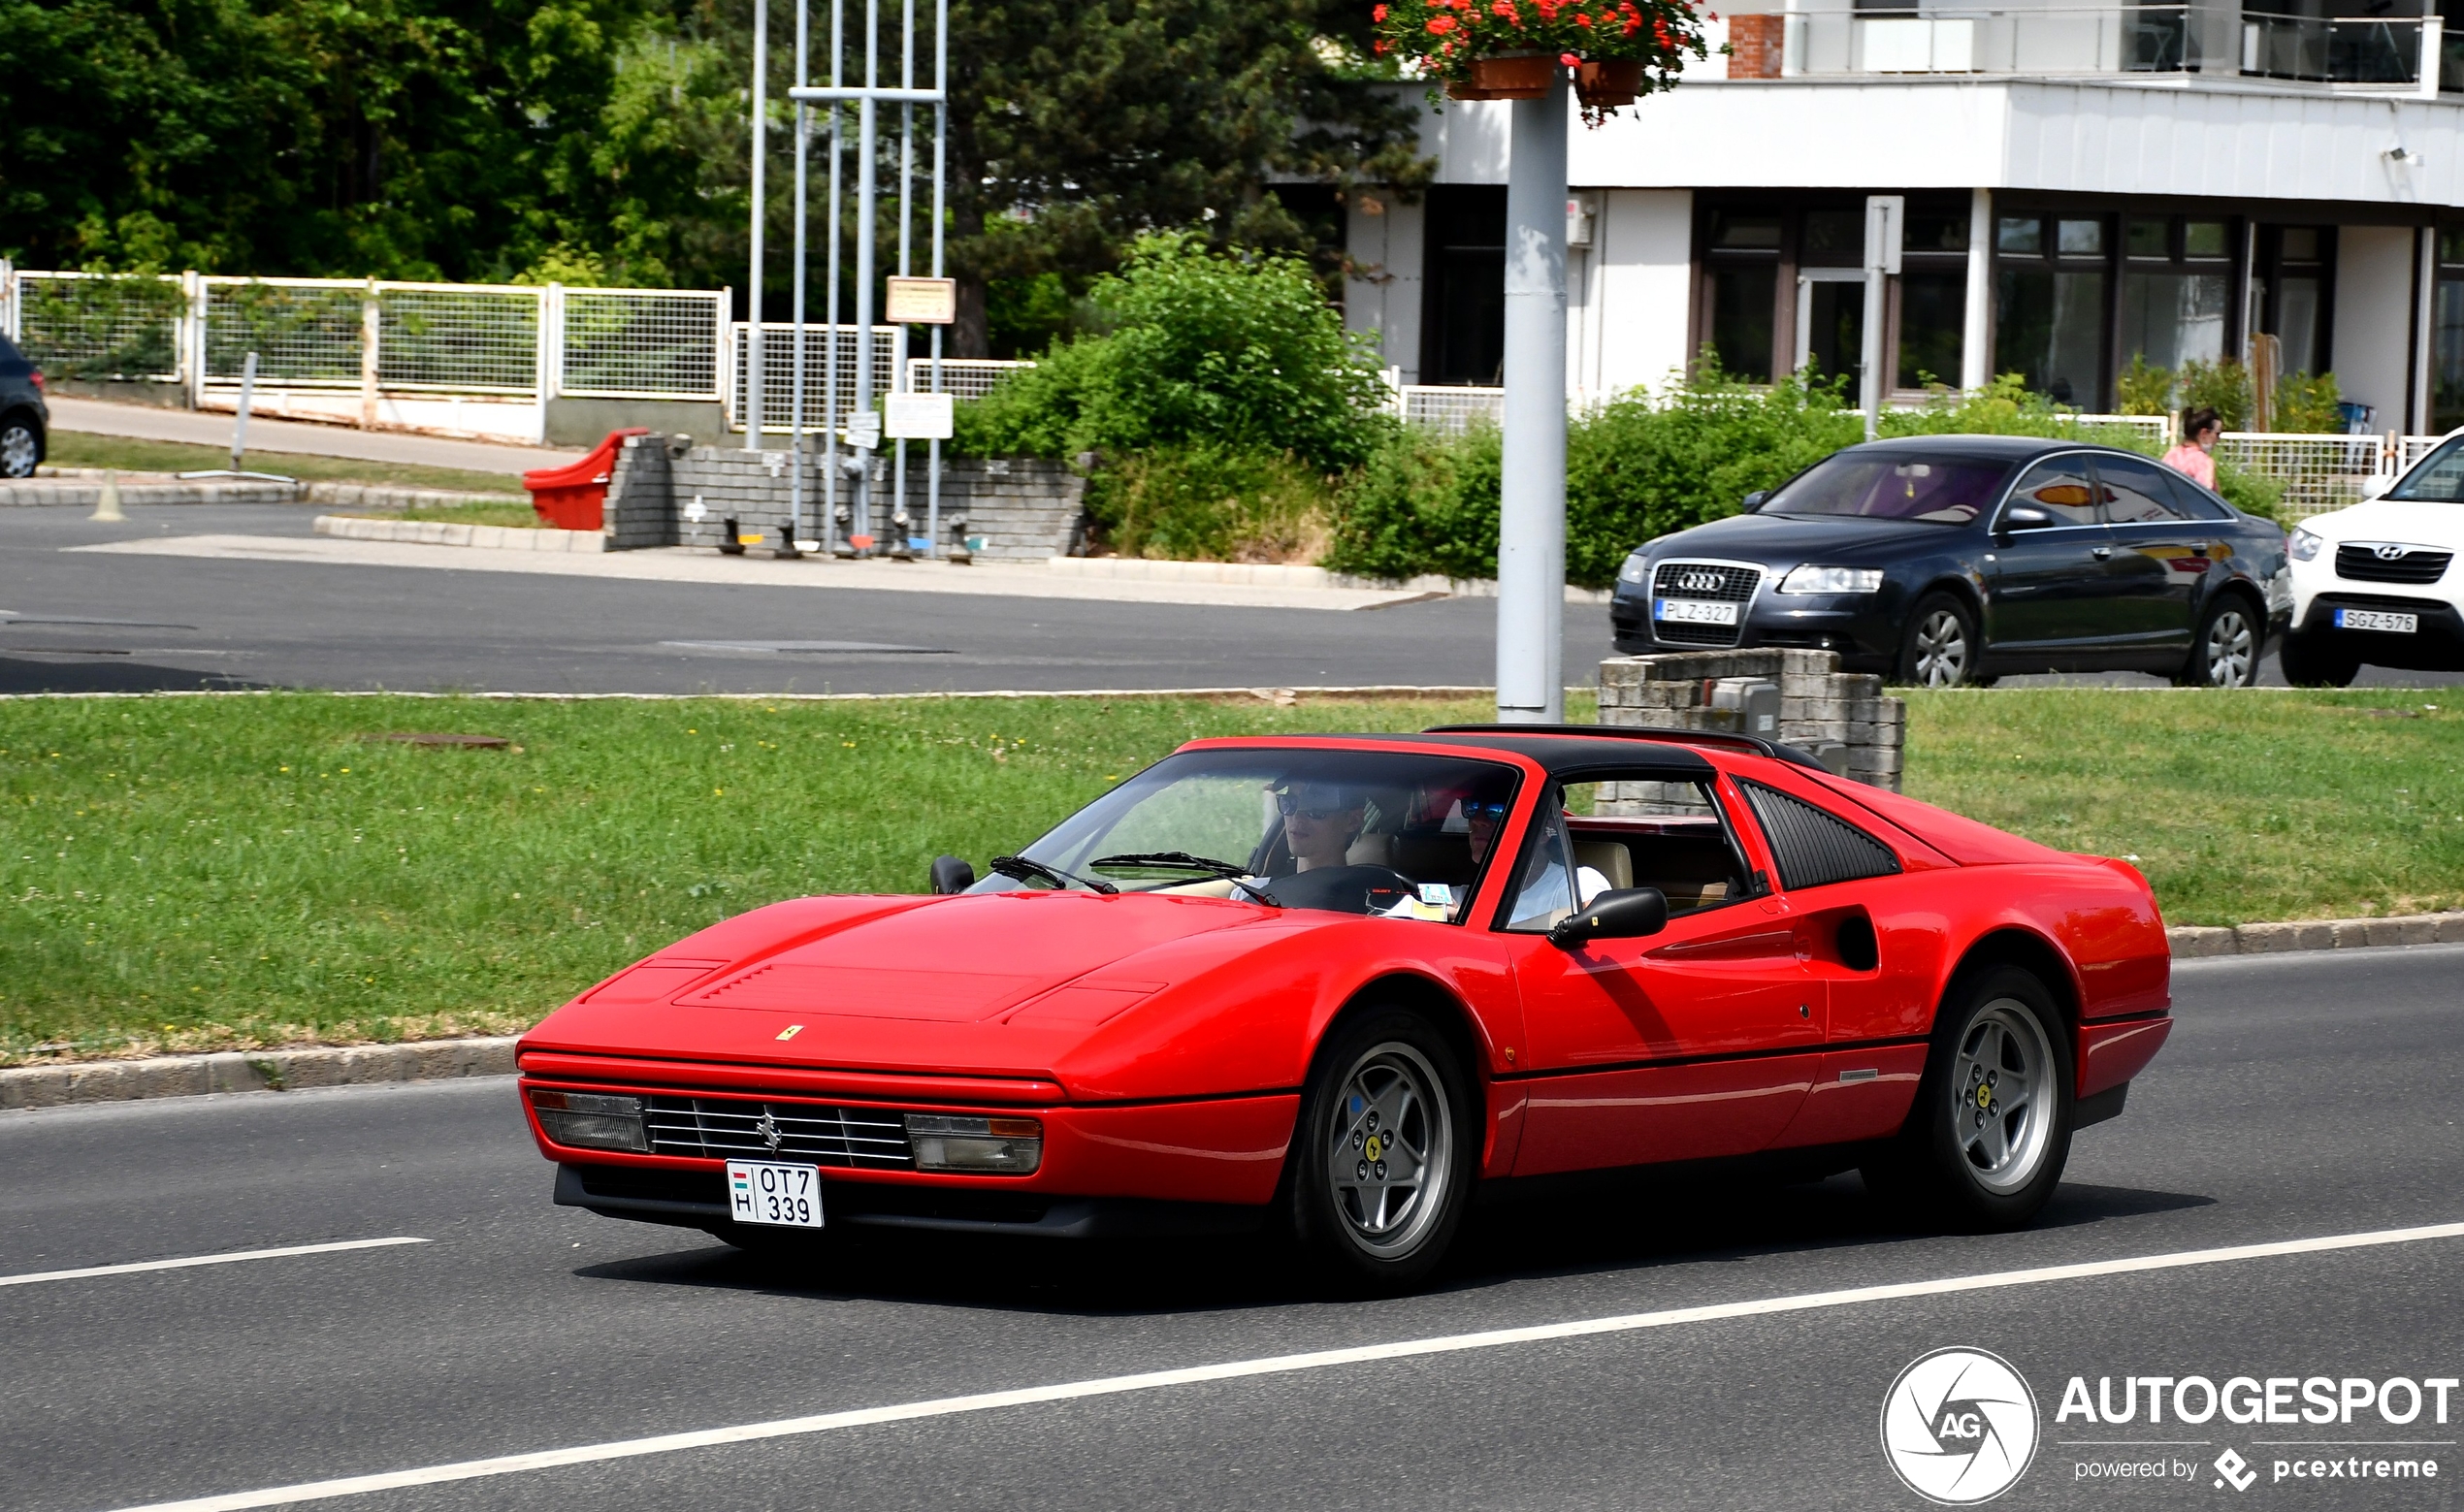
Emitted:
<point x="1440" y="25"/>
<point x="1582" y="19"/>
<point x="1378" y="48"/>
<point x="1569" y="60"/>
<point x="1548" y="9"/>
<point x="1505" y="8"/>
<point x="1378" y="12"/>
<point x="1629" y="28"/>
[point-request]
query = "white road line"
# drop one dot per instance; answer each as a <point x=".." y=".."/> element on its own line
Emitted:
<point x="1278" y="1364"/>
<point x="33" y="1276"/>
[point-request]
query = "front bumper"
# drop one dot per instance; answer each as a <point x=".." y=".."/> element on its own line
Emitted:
<point x="1860" y="626"/>
<point x="2438" y="646"/>
<point x="697" y="1200"/>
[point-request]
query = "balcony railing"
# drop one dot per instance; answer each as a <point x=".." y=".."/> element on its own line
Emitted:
<point x="1841" y="36"/>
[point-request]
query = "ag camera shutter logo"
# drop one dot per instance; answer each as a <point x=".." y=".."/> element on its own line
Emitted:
<point x="1960" y="1427"/>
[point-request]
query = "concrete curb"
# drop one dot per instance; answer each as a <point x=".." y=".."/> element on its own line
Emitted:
<point x="440" y="533"/>
<point x="1139" y="569"/>
<point x="252" y="1071"/>
<point x="2192" y="942"/>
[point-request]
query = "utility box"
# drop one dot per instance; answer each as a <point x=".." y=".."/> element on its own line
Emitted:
<point x="1743" y="707"/>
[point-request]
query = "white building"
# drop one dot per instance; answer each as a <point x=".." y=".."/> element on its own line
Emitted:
<point x="2082" y="186"/>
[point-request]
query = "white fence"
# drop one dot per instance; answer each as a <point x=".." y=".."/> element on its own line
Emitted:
<point x="967" y="377"/>
<point x="1449" y="409"/>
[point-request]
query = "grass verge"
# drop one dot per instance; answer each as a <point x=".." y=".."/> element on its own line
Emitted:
<point x="512" y="511"/>
<point x="184" y="874"/>
<point x="79" y="449"/>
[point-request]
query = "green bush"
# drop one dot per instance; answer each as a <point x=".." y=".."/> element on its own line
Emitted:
<point x="2223" y="386"/>
<point x="2308" y="402"/>
<point x="1425" y="502"/>
<point x="2143" y="390"/>
<point x="1238" y="351"/>
<point x="1206" y="502"/>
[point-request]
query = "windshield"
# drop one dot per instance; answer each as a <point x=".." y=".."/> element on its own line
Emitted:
<point x="2438" y="480"/>
<point x="1356" y="831"/>
<point x="1937" y="490"/>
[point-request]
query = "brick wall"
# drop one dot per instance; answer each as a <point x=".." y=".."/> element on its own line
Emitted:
<point x="1756" y="44"/>
<point x="1819" y="704"/>
<point x="1023" y="509"/>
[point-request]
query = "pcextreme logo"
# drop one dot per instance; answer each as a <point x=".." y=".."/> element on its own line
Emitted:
<point x="1958" y="1427"/>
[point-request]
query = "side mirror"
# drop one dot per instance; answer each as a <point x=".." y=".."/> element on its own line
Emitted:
<point x="2025" y="517"/>
<point x="1620" y="914"/>
<point x="1754" y="501"/>
<point x="2375" y="485"/>
<point x="950" y="875"/>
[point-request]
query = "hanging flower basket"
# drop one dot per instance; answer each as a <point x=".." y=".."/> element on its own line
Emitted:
<point x="1517" y="49"/>
<point x="1508" y="76"/>
<point x="1607" y="83"/>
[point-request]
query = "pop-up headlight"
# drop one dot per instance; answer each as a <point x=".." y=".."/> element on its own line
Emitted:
<point x="958" y="1141"/>
<point x="591" y="1120"/>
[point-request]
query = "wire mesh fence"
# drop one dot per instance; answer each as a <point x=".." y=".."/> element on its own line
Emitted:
<point x="645" y="343"/>
<point x="304" y="331"/>
<point x="100" y="324"/>
<point x="463" y="339"/>
<point x="778" y="373"/>
<point x="2411" y="449"/>
<point x="2318" y="473"/>
<point x="1451" y="409"/>
<point x="967" y="377"/>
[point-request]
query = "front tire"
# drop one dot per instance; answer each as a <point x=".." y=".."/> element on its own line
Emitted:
<point x="2226" y="651"/>
<point x="2308" y="661"/>
<point x="1385" y="1150"/>
<point x="1985" y="1145"/>
<point x="20" y="447"/>
<point x="1940" y="648"/>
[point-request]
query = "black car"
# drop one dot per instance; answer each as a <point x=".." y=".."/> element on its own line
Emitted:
<point x="1957" y="560"/>
<point x="23" y="416"/>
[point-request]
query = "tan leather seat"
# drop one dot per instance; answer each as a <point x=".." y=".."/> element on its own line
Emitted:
<point x="1607" y="857"/>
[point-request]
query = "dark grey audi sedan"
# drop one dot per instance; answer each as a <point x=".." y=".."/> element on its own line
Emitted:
<point x="1952" y="560"/>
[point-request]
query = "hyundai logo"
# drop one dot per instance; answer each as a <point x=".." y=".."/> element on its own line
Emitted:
<point x="2393" y="552"/>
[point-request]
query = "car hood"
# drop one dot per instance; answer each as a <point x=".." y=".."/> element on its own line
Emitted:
<point x="1782" y="540"/>
<point x="991" y="983"/>
<point x="2393" y="519"/>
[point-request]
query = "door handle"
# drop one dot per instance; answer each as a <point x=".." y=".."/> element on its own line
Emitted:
<point x="2100" y="553"/>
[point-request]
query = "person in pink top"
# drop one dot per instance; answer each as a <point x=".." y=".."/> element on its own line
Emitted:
<point x="2195" y="458"/>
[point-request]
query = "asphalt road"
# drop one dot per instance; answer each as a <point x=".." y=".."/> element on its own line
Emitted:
<point x="80" y="622"/>
<point x="2301" y="1097"/>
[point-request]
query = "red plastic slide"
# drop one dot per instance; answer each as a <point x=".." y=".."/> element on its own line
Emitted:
<point x="574" y="497"/>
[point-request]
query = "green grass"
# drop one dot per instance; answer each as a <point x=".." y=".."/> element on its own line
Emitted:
<point x="2240" y="807"/>
<point x="201" y="873"/>
<point x="513" y="512"/>
<point x="77" y="449"/>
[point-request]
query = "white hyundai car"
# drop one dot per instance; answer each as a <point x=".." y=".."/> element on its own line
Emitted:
<point x="2377" y="583"/>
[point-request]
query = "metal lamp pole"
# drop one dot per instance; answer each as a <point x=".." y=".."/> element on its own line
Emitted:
<point x="795" y="443"/>
<point x="1531" y="553"/>
<point x="752" y="289"/>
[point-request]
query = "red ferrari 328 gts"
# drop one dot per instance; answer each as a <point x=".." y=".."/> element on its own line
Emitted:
<point x="1338" y="984"/>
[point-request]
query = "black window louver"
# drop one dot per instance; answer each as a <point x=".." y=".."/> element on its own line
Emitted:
<point x="1812" y="848"/>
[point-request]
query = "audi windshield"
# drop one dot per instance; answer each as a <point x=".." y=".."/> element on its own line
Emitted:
<point x="1887" y="486"/>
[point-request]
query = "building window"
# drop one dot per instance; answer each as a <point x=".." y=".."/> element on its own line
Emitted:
<point x="2290" y="292"/>
<point x="1740" y="279"/>
<point x="2050" y="278"/>
<point x="2177" y="277"/>
<point x="1932" y="295"/>
<point x="1463" y="314"/>
<point x="2446" y="349"/>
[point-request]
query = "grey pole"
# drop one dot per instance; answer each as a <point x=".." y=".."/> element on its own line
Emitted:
<point x="753" y="293"/>
<point x="795" y="443"/>
<point x="1882" y="259"/>
<point x="906" y="242"/>
<point x="867" y="149"/>
<point x="940" y="162"/>
<point x="1531" y="550"/>
<point x="832" y="416"/>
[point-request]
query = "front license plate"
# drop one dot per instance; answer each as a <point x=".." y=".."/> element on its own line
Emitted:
<point x="786" y="1197"/>
<point x="1693" y="611"/>
<point x="2377" y="620"/>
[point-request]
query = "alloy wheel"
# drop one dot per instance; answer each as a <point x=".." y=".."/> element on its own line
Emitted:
<point x="1942" y="650"/>
<point x="19" y="452"/>
<point x="2229" y="650"/>
<point x="1390" y="1149"/>
<point x="2002" y="1107"/>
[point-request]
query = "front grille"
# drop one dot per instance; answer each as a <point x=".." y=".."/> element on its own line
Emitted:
<point x="716" y="1127"/>
<point x="2359" y="561"/>
<point x="1701" y="580"/>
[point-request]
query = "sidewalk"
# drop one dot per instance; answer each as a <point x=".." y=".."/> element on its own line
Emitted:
<point x="96" y="417"/>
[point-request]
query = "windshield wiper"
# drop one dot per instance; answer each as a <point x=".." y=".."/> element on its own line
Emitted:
<point x="1228" y="871"/>
<point x="1019" y="868"/>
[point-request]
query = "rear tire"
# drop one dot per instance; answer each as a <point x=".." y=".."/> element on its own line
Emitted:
<point x="2226" y="651"/>
<point x="20" y="446"/>
<point x="1384" y="1152"/>
<point x="1985" y="1145"/>
<point x="1940" y="648"/>
<point x="2308" y="661"/>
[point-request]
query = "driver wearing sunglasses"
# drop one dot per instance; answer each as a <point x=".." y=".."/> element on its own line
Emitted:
<point x="1321" y="822"/>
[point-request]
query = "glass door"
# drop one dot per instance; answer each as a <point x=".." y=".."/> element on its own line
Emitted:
<point x="1831" y="324"/>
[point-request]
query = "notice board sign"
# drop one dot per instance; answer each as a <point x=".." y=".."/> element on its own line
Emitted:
<point x="922" y="302"/>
